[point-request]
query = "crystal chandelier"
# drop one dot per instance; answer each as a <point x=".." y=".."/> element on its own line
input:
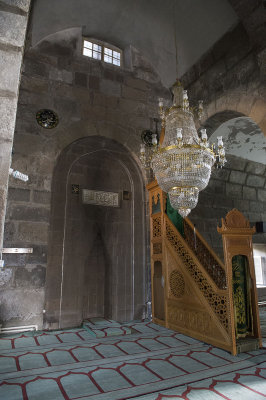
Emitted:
<point x="182" y="162"/>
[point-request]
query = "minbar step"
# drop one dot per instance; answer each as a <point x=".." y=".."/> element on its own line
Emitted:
<point x="247" y="344"/>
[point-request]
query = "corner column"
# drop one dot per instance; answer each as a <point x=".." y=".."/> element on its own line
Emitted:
<point x="157" y="200"/>
<point x="13" y="25"/>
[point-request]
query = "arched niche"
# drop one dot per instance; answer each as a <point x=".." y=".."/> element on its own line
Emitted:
<point x="96" y="254"/>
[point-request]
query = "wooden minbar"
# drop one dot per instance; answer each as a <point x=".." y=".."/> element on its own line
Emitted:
<point x="187" y="279"/>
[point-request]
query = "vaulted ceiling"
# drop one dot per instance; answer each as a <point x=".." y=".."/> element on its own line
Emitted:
<point x="156" y="28"/>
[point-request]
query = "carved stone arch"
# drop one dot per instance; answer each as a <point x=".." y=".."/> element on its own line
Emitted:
<point x="229" y="123"/>
<point x="213" y="122"/>
<point x="244" y="103"/>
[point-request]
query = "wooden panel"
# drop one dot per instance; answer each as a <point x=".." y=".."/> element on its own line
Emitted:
<point x="158" y="289"/>
<point x="237" y="240"/>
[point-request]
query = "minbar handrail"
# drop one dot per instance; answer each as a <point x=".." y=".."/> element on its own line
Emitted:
<point x="216" y="288"/>
<point x="205" y="243"/>
<point x="210" y="261"/>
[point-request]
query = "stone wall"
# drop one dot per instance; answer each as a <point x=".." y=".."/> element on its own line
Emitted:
<point x="253" y="18"/>
<point x="240" y="184"/>
<point x="13" y="23"/>
<point x="91" y="99"/>
<point x="231" y="77"/>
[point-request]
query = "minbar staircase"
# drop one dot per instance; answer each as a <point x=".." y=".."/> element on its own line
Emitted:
<point x="191" y="287"/>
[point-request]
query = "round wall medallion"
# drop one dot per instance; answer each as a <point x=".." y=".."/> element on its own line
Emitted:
<point x="47" y="118"/>
<point x="177" y="283"/>
<point x="146" y="137"/>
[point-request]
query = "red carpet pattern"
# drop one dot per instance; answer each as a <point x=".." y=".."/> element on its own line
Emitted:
<point x="152" y="363"/>
<point x="248" y="384"/>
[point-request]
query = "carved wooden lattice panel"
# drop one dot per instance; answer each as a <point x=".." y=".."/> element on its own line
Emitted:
<point x="156" y="227"/>
<point x="177" y="284"/>
<point x="217" y="302"/>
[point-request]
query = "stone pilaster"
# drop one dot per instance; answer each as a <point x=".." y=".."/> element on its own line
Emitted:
<point x="13" y="25"/>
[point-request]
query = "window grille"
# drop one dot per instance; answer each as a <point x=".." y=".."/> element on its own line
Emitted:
<point x="102" y="52"/>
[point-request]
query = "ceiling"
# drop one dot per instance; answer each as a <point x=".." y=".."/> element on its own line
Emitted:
<point x="155" y="27"/>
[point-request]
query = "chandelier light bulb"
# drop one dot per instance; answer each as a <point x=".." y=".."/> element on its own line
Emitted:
<point x="160" y="102"/>
<point x="220" y="141"/>
<point x="203" y="134"/>
<point x="142" y="149"/>
<point x="179" y="133"/>
<point x="200" y="110"/>
<point x="185" y="100"/>
<point x="154" y="139"/>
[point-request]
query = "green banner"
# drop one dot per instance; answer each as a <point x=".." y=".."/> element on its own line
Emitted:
<point x="176" y="218"/>
<point x="242" y="298"/>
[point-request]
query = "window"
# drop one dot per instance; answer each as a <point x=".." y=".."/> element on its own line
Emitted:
<point x="92" y="50"/>
<point x="111" y="56"/>
<point x="259" y="252"/>
<point x="100" y="51"/>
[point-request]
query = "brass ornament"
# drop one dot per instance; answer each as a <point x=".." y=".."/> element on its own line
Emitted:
<point x="47" y="119"/>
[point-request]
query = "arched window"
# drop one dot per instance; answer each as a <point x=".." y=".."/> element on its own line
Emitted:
<point x="102" y="51"/>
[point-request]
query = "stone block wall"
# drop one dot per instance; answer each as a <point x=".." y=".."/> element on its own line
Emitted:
<point x="252" y="15"/>
<point x="240" y="184"/>
<point x="231" y="77"/>
<point x="90" y="99"/>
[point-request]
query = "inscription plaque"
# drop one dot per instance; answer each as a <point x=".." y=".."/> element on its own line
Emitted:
<point x="12" y="250"/>
<point x="100" y="198"/>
